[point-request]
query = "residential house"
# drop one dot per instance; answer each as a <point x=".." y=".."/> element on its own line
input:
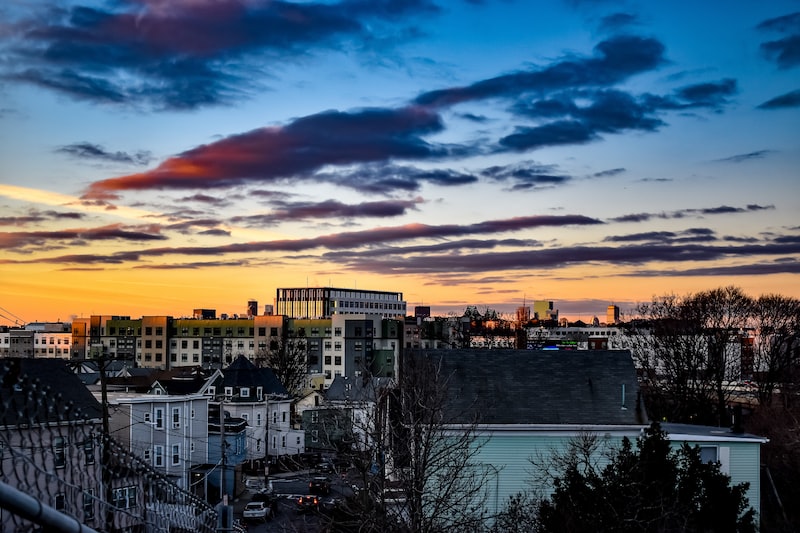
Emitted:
<point x="525" y="405"/>
<point x="50" y="441"/>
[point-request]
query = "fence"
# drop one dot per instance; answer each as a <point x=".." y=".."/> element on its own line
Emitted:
<point x="59" y="472"/>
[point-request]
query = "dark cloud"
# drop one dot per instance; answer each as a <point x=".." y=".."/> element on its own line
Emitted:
<point x="382" y="178"/>
<point x="342" y="240"/>
<point x="790" y="99"/>
<point x="526" y="175"/>
<point x="182" y="55"/>
<point x="86" y="150"/>
<point x="741" y="158"/>
<point x="681" y="213"/>
<point x="608" y="173"/>
<point x="206" y="199"/>
<point x="304" y="146"/>
<point x="188" y="227"/>
<point x="617" y="21"/>
<point x="615" y="60"/>
<point x="34" y="216"/>
<point x="710" y="95"/>
<point x="785" y="52"/>
<point x="633" y="255"/>
<point x="18" y="241"/>
<point x="551" y="134"/>
<point x="329" y="209"/>
<point x="753" y="269"/>
<point x="685" y="236"/>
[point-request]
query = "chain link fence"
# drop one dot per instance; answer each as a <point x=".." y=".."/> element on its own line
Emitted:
<point x="59" y="472"/>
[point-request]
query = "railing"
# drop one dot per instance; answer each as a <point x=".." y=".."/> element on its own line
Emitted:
<point x="59" y="473"/>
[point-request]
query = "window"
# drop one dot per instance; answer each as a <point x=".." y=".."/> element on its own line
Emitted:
<point x="314" y="417"/>
<point x="298" y="441"/>
<point x="327" y="359"/>
<point x="212" y="390"/>
<point x="60" y="502"/>
<point x="176" y="454"/>
<point x="244" y="392"/>
<point x="228" y="391"/>
<point x="274" y="442"/>
<point x="158" y="453"/>
<point x="337" y="360"/>
<point x="258" y="445"/>
<point x="88" y="504"/>
<point x="262" y="332"/>
<point x="176" y="417"/>
<point x="337" y="347"/>
<point x="147" y="418"/>
<point x="88" y="450"/>
<point x="283" y="441"/>
<point x="192" y="413"/>
<point x="314" y="435"/>
<point x="191" y="446"/>
<point x="258" y="419"/>
<point x="260" y="393"/>
<point x="159" y="417"/>
<point x="146" y="456"/>
<point x="245" y="417"/>
<point x="274" y="417"/>
<point x="273" y="332"/>
<point x="125" y="497"/>
<point x="59" y="452"/>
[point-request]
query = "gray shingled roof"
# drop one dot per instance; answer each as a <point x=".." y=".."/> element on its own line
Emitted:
<point x="243" y="373"/>
<point x="541" y="387"/>
<point x="42" y="391"/>
<point x="359" y="390"/>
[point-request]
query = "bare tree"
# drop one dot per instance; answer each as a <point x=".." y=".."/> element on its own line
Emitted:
<point x="288" y="360"/>
<point x="413" y="459"/>
<point x="688" y="350"/>
<point x="776" y="345"/>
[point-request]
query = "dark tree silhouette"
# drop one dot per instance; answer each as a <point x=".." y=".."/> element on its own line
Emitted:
<point x="649" y="488"/>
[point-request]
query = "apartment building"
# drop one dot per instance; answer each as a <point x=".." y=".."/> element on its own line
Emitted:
<point x="324" y="302"/>
<point x="50" y="340"/>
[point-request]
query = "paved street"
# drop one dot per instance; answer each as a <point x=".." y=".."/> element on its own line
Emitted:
<point x="288" y="488"/>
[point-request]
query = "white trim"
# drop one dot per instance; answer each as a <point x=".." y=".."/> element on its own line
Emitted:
<point x="716" y="438"/>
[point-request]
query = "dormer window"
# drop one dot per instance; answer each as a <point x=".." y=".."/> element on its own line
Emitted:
<point x="244" y="392"/>
<point x="260" y="393"/>
<point x="228" y="392"/>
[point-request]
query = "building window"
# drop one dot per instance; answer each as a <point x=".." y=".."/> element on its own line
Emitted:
<point x="176" y="454"/>
<point x="337" y="347"/>
<point x="337" y="360"/>
<point x="159" y="418"/>
<point x="244" y="392"/>
<point x="229" y="391"/>
<point x="283" y="441"/>
<point x="274" y="442"/>
<point x="146" y="456"/>
<point x="176" y="417"/>
<point x="59" y="452"/>
<point x="337" y="332"/>
<point x="245" y="417"/>
<point x="314" y="417"/>
<point x="314" y="435"/>
<point x="283" y="416"/>
<point x="88" y="504"/>
<point x="125" y="497"/>
<point x="158" y="454"/>
<point x="258" y="445"/>
<point x="258" y="419"/>
<point x="88" y="450"/>
<point x="260" y="393"/>
<point x="60" y="502"/>
<point x="327" y="359"/>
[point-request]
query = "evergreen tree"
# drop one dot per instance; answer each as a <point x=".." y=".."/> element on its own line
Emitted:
<point x="648" y="489"/>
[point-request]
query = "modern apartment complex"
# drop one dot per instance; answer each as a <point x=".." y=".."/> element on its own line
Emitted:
<point x="324" y="302"/>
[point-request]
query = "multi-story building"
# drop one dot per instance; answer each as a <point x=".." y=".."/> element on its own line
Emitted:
<point x="324" y="302"/>
<point x="39" y="340"/>
<point x="170" y="432"/>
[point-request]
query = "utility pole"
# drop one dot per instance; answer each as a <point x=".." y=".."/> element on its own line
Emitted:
<point x="224" y="511"/>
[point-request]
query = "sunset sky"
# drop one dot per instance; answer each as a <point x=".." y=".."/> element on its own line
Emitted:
<point x="158" y="156"/>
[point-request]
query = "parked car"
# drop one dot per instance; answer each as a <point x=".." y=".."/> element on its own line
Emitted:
<point x="307" y="503"/>
<point x="324" y="468"/>
<point x="254" y="483"/>
<point x="257" y="511"/>
<point x="319" y="485"/>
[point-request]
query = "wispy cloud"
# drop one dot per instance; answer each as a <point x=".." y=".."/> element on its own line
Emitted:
<point x="90" y="151"/>
<point x="20" y="241"/>
<point x="790" y="99"/>
<point x="741" y="158"/>
<point x="681" y="213"/>
<point x="785" y="51"/>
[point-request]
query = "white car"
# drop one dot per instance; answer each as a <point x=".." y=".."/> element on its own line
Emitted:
<point x="257" y="511"/>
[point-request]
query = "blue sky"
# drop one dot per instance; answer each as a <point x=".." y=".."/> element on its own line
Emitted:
<point x="161" y="155"/>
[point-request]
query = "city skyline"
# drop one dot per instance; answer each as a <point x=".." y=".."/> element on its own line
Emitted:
<point x="160" y="156"/>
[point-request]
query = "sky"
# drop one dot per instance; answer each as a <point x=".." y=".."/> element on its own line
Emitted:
<point x="158" y="156"/>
